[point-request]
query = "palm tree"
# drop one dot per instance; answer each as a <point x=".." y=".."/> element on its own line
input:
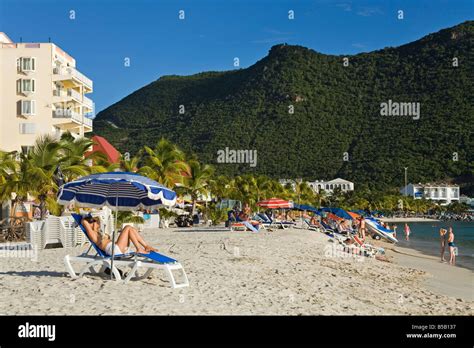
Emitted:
<point x="131" y="164"/>
<point x="16" y="183"/>
<point x="165" y="163"/>
<point x="320" y="198"/>
<point x="220" y="187"/>
<point x="9" y="169"/>
<point x="275" y="189"/>
<point x="41" y="163"/>
<point x="197" y="183"/>
<point x="75" y="161"/>
<point x="8" y="165"/>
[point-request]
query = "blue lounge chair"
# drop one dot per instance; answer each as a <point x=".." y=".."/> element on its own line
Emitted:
<point x="150" y="262"/>
<point x="268" y="222"/>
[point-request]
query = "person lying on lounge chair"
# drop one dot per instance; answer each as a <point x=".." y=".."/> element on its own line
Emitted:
<point x="245" y="218"/>
<point x="103" y="241"/>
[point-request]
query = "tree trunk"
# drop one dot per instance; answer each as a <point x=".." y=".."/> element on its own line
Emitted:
<point x="14" y="205"/>
<point x="194" y="205"/>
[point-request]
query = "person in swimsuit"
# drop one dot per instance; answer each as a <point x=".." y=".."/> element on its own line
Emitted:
<point x="407" y="232"/>
<point x="103" y="241"/>
<point x="452" y="259"/>
<point x="442" y="239"/>
<point x="362" y="228"/>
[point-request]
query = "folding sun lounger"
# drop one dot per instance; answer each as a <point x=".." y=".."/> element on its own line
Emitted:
<point x="358" y="248"/>
<point x="268" y="222"/>
<point x="150" y="262"/>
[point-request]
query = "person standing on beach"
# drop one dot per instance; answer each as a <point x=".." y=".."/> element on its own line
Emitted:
<point x="442" y="239"/>
<point x="452" y="258"/>
<point x="407" y="232"/>
<point x="394" y="231"/>
<point x="362" y="228"/>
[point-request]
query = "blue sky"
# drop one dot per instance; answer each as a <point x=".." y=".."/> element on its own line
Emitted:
<point x="213" y="32"/>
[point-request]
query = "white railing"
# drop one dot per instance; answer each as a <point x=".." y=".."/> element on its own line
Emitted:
<point x="88" y="102"/>
<point x="75" y="116"/>
<point x="74" y="94"/>
<point x="70" y="71"/>
<point x="87" y="122"/>
<point x="65" y="113"/>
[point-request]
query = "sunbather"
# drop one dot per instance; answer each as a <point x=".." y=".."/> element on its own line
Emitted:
<point x="103" y="241"/>
<point x="314" y="221"/>
<point x="245" y="218"/>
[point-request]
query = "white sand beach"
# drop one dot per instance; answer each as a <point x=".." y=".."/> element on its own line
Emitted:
<point x="283" y="272"/>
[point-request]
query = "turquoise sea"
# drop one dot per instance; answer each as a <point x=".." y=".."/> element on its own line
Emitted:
<point x="425" y="238"/>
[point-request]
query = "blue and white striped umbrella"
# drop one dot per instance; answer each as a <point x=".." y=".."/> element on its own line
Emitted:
<point x="117" y="190"/>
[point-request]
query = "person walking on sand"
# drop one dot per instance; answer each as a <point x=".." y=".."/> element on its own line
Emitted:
<point x="452" y="258"/>
<point x="407" y="232"/>
<point x="442" y="239"/>
<point x="394" y="231"/>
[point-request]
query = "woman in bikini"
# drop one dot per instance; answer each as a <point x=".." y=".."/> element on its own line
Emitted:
<point x="452" y="259"/>
<point x="103" y="241"/>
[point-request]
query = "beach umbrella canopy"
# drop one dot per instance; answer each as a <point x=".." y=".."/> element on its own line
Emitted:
<point x="355" y="216"/>
<point x="360" y="212"/>
<point x="305" y="207"/>
<point x="275" y="203"/>
<point x="334" y="217"/>
<point x="117" y="190"/>
<point x="338" y="212"/>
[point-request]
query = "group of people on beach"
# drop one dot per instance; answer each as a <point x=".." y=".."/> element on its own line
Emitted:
<point x="446" y="237"/>
<point x="342" y="226"/>
<point x="406" y="229"/>
<point x="362" y="230"/>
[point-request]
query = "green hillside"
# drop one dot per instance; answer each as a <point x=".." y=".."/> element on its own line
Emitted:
<point x="336" y="111"/>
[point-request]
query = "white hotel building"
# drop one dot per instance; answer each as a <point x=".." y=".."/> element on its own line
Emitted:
<point x="41" y="92"/>
<point x="441" y="193"/>
<point x="327" y="186"/>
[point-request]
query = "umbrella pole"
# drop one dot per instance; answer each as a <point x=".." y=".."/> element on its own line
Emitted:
<point x="113" y="238"/>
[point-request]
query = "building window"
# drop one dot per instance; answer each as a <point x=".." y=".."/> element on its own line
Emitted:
<point x="26" y="149"/>
<point x="26" y="64"/>
<point x="27" y="128"/>
<point x="28" y="107"/>
<point x="26" y="86"/>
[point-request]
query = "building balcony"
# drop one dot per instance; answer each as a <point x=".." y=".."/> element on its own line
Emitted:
<point x="88" y="103"/>
<point x="71" y="95"/>
<point x="68" y="119"/>
<point x="71" y="77"/>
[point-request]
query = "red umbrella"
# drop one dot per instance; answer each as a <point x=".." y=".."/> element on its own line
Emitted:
<point x="275" y="203"/>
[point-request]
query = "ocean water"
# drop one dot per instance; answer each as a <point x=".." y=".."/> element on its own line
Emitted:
<point x="425" y="238"/>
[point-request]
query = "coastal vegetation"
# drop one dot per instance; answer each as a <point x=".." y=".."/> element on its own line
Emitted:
<point x="39" y="173"/>
<point x="308" y="115"/>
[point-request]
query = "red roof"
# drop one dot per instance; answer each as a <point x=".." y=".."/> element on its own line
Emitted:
<point x="103" y="146"/>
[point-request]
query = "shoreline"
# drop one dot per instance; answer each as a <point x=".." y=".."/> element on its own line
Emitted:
<point x="408" y="219"/>
<point x="443" y="278"/>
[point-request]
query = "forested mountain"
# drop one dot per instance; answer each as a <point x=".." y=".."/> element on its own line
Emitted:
<point x="337" y="113"/>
